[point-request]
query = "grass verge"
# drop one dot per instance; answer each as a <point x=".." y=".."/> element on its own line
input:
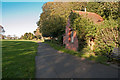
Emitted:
<point x="18" y="59"/>
<point x="85" y="53"/>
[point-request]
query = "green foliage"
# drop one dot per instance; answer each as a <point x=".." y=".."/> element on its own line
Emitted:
<point x="27" y="36"/>
<point x="38" y="37"/>
<point x="84" y="28"/>
<point x="58" y="40"/>
<point x="34" y="32"/>
<point x="53" y="27"/>
<point x="37" y="34"/>
<point x="106" y="34"/>
<point x="111" y="23"/>
<point x="72" y="17"/>
<point x="55" y="15"/>
<point x="105" y="9"/>
<point x="106" y="38"/>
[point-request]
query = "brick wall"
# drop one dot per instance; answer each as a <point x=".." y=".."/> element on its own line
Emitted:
<point x="67" y="38"/>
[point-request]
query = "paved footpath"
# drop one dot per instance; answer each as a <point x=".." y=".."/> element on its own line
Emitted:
<point x="51" y="63"/>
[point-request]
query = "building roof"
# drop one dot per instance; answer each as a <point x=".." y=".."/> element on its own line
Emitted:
<point x="90" y="15"/>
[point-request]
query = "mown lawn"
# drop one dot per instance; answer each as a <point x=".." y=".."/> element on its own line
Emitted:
<point x="18" y="59"/>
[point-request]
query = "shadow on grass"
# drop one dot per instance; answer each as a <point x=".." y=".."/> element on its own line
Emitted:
<point x="18" y="59"/>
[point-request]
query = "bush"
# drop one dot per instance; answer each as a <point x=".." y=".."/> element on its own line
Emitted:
<point x="84" y="28"/>
<point x="106" y="34"/>
<point x="106" y="39"/>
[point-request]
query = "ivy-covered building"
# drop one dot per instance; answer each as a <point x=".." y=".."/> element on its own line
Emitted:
<point x="70" y="37"/>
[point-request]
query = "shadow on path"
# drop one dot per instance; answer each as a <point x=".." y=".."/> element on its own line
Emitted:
<point x="51" y="63"/>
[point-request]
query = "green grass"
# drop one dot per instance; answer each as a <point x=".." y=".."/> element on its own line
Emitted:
<point x="82" y="54"/>
<point x="18" y="59"/>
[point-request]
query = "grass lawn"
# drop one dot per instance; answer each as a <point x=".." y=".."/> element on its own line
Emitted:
<point x="83" y="53"/>
<point x="18" y="59"/>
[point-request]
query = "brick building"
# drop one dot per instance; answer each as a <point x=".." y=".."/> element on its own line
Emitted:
<point x="70" y="37"/>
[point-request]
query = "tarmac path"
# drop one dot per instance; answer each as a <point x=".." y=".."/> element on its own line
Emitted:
<point x="51" y="63"/>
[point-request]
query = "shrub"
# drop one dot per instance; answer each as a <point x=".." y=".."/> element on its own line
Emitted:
<point x="84" y="28"/>
<point x="106" y="34"/>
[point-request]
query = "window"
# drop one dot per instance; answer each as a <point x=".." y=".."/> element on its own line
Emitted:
<point x="69" y="36"/>
<point x="72" y="39"/>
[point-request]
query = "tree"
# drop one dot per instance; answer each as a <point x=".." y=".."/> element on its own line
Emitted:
<point x="1" y="29"/>
<point x="37" y="33"/>
<point x="55" y="15"/>
<point x="27" y="36"/>
<point x="105" y="9"/>
<point x="53" y="20"/>
<point x="1" y="32"/>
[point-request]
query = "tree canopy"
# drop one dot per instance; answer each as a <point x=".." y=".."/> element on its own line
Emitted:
<point x="55" y="14"/>
<point x="27" y="36"/>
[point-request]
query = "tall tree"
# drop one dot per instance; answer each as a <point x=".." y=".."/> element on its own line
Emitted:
<point x="55" y="14"/>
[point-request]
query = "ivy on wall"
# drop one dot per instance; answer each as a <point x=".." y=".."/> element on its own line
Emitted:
<point x="106" y="34"/>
